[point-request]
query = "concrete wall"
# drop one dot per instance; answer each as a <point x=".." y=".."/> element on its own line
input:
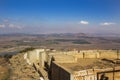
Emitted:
<point x="41" y="55"/>
<point x="91" y="74"/>
<point x="33" y="56"/>
<point x="59" y="73"/>
<point x="64" y="58"/>
<point x="108" y="54"/>
<point x="95" y="54"/>
<point x="84" y="75"/>
<point x="36" y="56"/>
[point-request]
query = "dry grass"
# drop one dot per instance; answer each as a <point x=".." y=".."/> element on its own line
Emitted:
<point x="4" y="70"/>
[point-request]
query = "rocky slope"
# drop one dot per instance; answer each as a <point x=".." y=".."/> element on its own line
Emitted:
<point x="21" y="70"/>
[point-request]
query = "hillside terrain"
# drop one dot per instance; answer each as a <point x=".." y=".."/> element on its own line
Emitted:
<point x="12" y="43"/>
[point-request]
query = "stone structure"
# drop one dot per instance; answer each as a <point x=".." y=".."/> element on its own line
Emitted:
<point x="75" y="65"/>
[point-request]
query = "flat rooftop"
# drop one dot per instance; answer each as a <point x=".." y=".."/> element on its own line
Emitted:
<point x="83" y="64"/>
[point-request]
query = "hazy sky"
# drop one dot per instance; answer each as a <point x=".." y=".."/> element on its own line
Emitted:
<point x="59" y="16"/>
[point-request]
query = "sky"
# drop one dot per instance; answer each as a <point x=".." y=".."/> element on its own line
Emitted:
<point x="59" y="16"/>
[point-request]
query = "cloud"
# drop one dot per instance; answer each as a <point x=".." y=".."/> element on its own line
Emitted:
<point x="107" y="23"/>
<point x="10" y="24"/>
<point x="14" y="26"/>
<point x="84" y="22"/>
<point x="2" y="25"/>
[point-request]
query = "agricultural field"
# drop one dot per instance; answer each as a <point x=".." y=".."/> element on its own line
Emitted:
<point x="16" y="43"/>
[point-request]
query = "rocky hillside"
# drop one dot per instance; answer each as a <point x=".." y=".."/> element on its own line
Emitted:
<point x="21" y="70"/>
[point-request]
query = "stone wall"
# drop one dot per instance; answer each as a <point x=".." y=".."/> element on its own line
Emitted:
<point x="62" y="58"/>
<point x="59" y="73"/>
<point x="113" y="54"/>
<point x="33" y="56"/>
<point x="41" y="56"/>
<point x="36" y="56"/>
<point x="108" y="54"/>
<point x="84" y="75"/>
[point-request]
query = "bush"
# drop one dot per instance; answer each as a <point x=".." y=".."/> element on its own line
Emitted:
<point x="27" y="49"/>
<point x="81" y="42"/>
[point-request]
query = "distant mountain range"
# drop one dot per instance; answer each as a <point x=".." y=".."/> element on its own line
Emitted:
<point x="66" y="34"/>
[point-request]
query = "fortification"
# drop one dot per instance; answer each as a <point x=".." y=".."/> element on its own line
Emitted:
<point x="75" y="65"/>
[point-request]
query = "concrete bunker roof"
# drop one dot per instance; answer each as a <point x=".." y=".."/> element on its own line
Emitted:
<point x="84" y="64"/>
